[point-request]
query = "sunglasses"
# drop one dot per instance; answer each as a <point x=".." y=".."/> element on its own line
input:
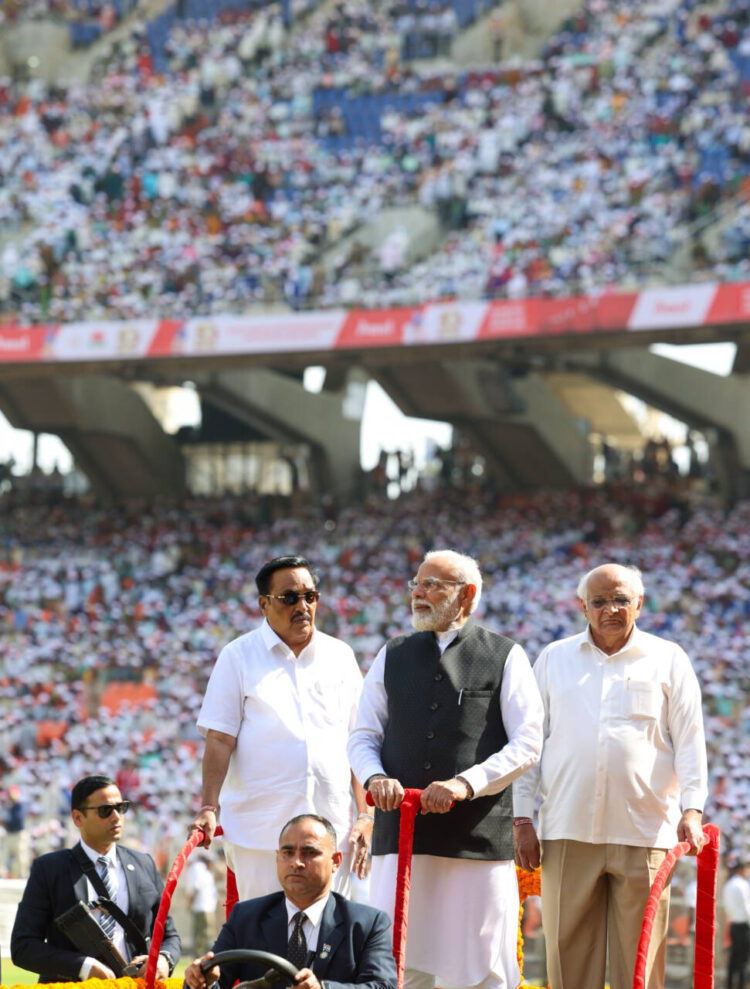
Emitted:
<point x="292" y="597"/>
<point x="105" y="810"/>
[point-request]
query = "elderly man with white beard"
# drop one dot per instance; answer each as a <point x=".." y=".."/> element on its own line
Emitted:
<point x="452" y="709"/>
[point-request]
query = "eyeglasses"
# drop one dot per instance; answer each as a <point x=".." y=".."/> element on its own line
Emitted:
<point x="430" y="583"/>
<point x="292" y="597"/>
<point x="619" y="602"/>
<point x="105" y="810"/>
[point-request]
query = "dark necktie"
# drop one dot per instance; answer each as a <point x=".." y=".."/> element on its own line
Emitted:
<point x="106" y="920"/>
<point x="296" y="950"/>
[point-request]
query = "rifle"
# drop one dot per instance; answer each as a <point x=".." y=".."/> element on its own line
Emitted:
<point x="81" y="927"/>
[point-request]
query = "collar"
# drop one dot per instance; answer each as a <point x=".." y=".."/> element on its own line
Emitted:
<point x="272" y="641"/>
<point x="445" y="638"/>
<point x="111" y="855"/>
<point x="314" y="912"/>
<point x="634" y="642"/>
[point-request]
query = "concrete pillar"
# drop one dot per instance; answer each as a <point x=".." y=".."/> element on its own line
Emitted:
<point x="281" y="409"/>
<point x="703" y="400"/>
<point x="106" y="425"/>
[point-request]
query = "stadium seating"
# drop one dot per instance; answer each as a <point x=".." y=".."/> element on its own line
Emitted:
<point x="112" y="619"/>
<point x="564" y="175"/>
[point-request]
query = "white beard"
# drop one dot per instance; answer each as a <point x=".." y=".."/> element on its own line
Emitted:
<point x="440" y="618"/>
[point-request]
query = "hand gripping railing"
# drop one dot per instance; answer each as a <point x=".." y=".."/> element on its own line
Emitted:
<point x="409" y="808"/>
<point x="157" y="935"/>
<point x="705" y="910"/>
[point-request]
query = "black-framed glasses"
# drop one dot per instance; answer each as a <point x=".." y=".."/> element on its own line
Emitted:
<point x="431" y="583"/>
<point x="290" y="598"/>
<point x="105" y="810"/>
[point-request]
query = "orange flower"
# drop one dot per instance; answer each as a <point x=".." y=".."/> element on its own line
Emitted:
<point x="108" y="984"/>
<point x="529" y="884"/>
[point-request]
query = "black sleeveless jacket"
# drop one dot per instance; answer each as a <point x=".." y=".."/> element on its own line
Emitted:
<point x="443" y="717"/>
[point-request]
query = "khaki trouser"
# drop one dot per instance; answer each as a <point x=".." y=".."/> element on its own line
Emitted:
<point x="594" y="896"/>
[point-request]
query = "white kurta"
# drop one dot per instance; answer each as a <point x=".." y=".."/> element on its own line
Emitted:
<point x="291" y="716"/>
<point x="463" y="914"/>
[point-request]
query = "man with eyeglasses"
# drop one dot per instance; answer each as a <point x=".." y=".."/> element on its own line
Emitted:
<point x="622" y="778"/>
<point x="278" y="709"/>
<point x="98" y="868"/>
<point x="453" y="710"/>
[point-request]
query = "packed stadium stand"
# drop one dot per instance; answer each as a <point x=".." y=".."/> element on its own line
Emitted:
<point x="122" y="612"/>
<point x="219" y="163"/>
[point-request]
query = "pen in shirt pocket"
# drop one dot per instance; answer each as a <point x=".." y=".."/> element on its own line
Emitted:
<point x="460" y="694"/>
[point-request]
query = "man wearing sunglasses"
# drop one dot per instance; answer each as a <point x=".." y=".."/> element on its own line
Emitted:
<point x="278" y="709"/>
<point x="97" y="868"/>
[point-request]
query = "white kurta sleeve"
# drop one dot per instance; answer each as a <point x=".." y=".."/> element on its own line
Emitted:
<point x="222" y="707"/>
<point x="366" y="740"/>
<point x="523" y="716"/>
<point x="525" y="788"/>
<point x="686" y="730"/>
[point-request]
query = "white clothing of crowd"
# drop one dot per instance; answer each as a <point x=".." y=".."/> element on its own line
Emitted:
<point x="208" y="188"/>
<point x="89" y="596"/>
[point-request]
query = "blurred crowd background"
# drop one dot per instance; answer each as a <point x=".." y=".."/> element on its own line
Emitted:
<point x="110" y="620"/>
<point x="220" y="155"/>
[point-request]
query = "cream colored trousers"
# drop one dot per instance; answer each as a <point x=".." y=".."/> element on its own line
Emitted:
<point x="594" y="897"/>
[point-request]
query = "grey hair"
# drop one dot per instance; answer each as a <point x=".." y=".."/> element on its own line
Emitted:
<point x="467" y="569"/>
<point x="634" y="576"/>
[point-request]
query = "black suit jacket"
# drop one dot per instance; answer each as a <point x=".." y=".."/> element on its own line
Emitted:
<point x="55" y="884"/>
<point x="355" y="946"/>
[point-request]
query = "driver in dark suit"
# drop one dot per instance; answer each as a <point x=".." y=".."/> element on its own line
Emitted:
<point x="60" y="879"/>
<point x="332" y="941"/>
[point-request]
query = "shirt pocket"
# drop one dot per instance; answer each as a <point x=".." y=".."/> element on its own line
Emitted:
<point x="327" y="699"/>
<point x="642" y="699"/>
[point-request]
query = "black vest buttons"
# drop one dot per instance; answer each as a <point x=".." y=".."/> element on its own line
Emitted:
<point x="427" y="765"/>
<point x="430" y="734"/>
<point x="434" y="706"/>
<point x="438" y="676"/>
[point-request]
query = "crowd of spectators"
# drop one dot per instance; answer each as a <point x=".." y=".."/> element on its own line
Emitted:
<point x="110" y="620"/>
<point x="208" y="173"/>
<point x="88" y="19"/>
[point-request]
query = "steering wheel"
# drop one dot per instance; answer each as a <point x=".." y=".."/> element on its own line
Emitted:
<point x="280" y="969"/>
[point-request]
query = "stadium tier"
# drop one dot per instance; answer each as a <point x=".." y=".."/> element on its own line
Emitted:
<point x="131" y="609"/>
<point x="223" y="163"/>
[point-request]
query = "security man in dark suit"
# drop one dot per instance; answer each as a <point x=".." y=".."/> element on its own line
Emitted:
<point x="332" y="941"/>
<point x="96" y="868"/>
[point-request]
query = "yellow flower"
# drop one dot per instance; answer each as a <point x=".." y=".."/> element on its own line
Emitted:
<point x="529" y="884"/>
<point x="108" y="984"/>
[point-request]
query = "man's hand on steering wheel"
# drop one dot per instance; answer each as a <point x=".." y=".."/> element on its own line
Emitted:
<point x="194" y="976"/>
<point x="306" y="979"/>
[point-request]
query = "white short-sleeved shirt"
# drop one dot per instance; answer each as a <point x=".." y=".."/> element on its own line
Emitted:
<point x="291" y="716"/>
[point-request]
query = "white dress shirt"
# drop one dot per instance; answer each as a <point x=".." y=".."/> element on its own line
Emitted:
<point x="291" y="716"/>
<point x="311" y="924"/>
<point x="623" y="743"/>
<point x="736" y="898"/>
<point x="467" y="902"/>
<point x="121" y="898"/>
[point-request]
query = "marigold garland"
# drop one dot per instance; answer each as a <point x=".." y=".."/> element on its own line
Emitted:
<point x="125" y="983"/>
<point x="529" y="884"/>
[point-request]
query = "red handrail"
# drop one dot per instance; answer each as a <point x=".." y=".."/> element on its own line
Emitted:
<point x="157" y="935"/>
<point x="705" y="910"/>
